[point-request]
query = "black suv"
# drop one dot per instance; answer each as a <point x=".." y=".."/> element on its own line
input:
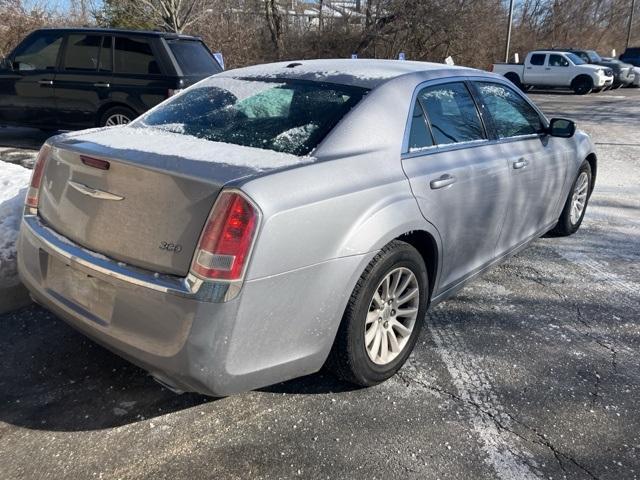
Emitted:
<point x="79" y="77"/>
<point x="623" y="73"/>
<point x="632" y="56"/>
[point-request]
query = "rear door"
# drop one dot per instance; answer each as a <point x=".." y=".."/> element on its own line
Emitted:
<point x="537" y="165"/>
<point x="83" y="83"/>
<point x="139" y="75"/>
<point x="535" y="71"/>
<point x="459" y="178"/>
<point x="27" y="94"/>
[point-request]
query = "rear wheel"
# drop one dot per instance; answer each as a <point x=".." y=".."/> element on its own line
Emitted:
<point x="582" y="85"/>
<point x="576" y="204"/>
<point x="383" y="319"/>
<point x="515" y="79"/>
<point x="116" y="116"/>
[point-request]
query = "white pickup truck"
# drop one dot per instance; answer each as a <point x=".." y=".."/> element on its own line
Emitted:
<point x="552" y="68"/>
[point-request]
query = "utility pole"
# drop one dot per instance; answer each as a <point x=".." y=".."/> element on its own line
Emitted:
<point x="633" y="7"/>
<point x="506" y="48"/>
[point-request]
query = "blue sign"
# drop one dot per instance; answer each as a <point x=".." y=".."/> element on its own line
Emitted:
<point x="354" y="56"/>
<point x="401" y="56"/>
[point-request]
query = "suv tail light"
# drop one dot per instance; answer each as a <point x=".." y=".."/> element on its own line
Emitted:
<point x="36" y="177"/>
<point x="226" y="241"/>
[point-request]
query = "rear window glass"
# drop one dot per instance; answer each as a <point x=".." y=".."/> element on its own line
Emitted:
<point x="135" y="56"/>
<point x="193" y="57"/>
<point x="82" y="52"/>
<point x="288" y="116"/>
<point x="537" y="59"/>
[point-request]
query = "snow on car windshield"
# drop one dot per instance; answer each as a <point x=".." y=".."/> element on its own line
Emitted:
<point x="289" y="116"/>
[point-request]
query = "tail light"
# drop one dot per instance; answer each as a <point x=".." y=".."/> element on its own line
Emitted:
<point x="36" y="177"/>
<point x="226" y="241"/>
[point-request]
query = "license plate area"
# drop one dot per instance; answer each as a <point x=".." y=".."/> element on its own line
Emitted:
<point x="88" y="295"/>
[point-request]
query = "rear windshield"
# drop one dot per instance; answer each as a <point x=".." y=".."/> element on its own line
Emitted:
<point x="291" y="116"/>
<point x="193" y="57"/>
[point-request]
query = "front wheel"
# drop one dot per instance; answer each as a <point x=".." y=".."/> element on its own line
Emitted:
<point x="576" y="204"/>
<point x="383" y="319"/>
<point x="582" y="85"/>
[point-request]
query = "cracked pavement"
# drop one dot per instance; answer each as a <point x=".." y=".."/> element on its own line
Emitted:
<point x="531" y="371"/>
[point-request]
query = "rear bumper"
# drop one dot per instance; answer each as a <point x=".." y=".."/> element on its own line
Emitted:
<point x="275" y="329"/>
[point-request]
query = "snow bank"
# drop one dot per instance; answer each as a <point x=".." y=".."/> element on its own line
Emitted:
<point x="163" y="142"/>
<point x="14" y="181"/>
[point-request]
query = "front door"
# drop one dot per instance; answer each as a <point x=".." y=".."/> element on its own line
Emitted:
<point x="83" y="83"/>
<point x="459" y="178"/>
<point x="27" y="92"/>
<point x="536" y="165"/>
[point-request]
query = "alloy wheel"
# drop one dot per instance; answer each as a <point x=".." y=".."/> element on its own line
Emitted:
<point x="579" y="198"/>
<point x="117" y="119"/>
<point x="392" y="315"/>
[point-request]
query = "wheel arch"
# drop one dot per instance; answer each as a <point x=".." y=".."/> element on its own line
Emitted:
<point x="582" y="76"/>
<point x="426" y="245"/>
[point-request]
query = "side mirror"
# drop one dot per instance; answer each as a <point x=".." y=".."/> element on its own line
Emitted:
<point x="6" y="63"/>
<point x="561" y="127"/>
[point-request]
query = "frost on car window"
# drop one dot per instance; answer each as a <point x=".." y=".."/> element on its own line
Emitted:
<point x="283" y="115"/>
<point x="512" y="115"/>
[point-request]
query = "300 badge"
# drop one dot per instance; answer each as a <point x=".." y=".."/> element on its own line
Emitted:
<point x="170" y="247"/>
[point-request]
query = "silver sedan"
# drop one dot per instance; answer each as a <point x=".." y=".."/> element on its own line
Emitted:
<point x="273" y="219"/>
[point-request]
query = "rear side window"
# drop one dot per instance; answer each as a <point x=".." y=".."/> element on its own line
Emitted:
<point x="512" y="115"/>
<point x="39" y="53"/>
<point x="288" y="116"/>
<point x="452" y="113"/>
<point x="419" y="135"/>
<point x="537" y="59"/>
<point x="193" y="57"/>
<point x="82" y="52"/>
<point x="135" y="56"/>
<point x="106" y="55"/>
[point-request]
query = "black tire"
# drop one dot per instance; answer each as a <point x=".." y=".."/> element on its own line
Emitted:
<point x="349" y="359"/>
<point x="115" y="111"/>
<point x="565" y="226"/>
<point x="515" y="79"/>
<point x="582" y="85"/>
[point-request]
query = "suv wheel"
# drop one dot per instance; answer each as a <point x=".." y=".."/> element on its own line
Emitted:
<point x="116" y="116"/>
<point x="383" y="319"/>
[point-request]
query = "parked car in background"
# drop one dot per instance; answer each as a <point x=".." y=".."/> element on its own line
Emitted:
<point x="273" y="218"/>
<point x="553" y="69"/>
<point x="623" y="73"/>
<point x="75" y="78"/>
<point x="631" y="55"/>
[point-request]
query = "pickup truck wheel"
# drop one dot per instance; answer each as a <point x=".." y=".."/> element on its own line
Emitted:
<point x="382" y="321"/>
<point x="582" y="85"/>
<point x="515" y="79"/>
<point x="576" y="204"/>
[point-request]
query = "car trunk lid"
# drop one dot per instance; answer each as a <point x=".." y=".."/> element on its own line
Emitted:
<point x="145" y="209"/>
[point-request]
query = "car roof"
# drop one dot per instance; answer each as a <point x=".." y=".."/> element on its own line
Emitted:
<point x="147" y="33"/>
<point x="367" y="73"/>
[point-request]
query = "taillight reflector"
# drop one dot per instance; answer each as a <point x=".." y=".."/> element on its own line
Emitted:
<point x="36" y="177"/>
<point x="227" y="238"/>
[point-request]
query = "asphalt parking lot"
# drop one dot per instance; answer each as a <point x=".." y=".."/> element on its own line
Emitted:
<point x="531" y="372"/>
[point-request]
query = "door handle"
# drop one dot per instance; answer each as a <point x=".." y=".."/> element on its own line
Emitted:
<point x="45" y="82"/>
<point x="102" y="85"/>
<point x="444" y="181"/>
<point x="520" y="164"/>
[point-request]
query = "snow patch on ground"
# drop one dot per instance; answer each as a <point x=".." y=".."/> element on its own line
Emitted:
<point x="14" y="181"/>
<point x="162" y="142"/>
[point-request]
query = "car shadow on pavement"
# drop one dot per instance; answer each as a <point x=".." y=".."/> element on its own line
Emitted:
<point x="53" y="378"/>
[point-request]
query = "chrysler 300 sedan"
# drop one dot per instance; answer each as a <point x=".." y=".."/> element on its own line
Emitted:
<point x="273" y="219"/>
